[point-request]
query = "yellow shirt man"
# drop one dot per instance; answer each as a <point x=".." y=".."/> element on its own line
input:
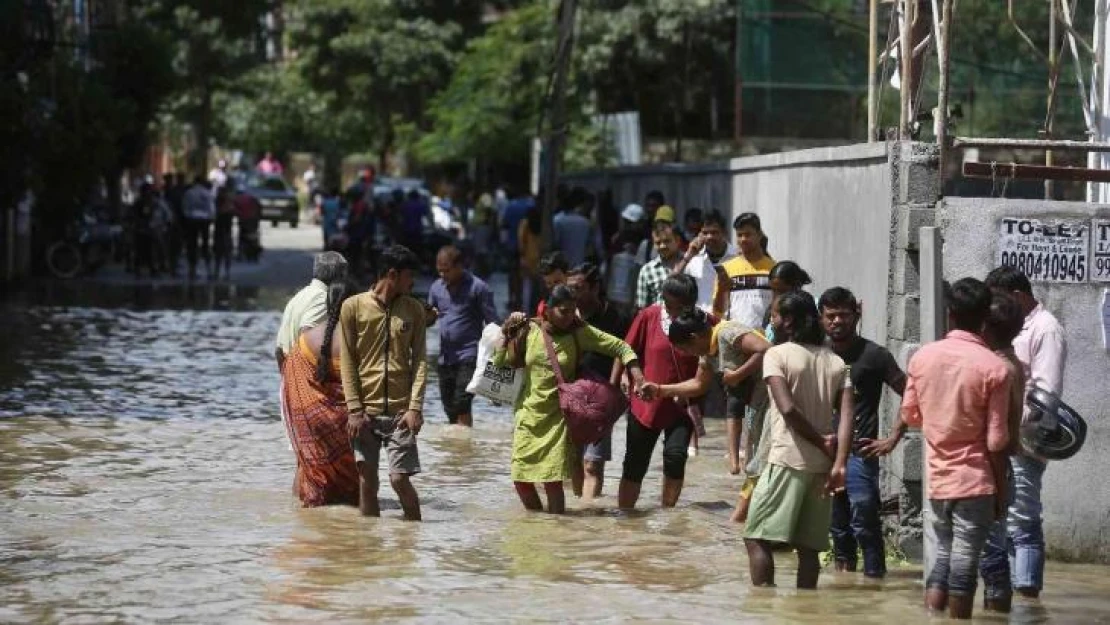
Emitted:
<point x="749" y="289"/>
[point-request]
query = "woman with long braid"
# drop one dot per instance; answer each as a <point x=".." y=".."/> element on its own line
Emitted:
<point x="317" y="414"/>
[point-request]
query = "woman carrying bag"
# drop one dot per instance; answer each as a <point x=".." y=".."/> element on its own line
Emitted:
<point x="543" y="451"/>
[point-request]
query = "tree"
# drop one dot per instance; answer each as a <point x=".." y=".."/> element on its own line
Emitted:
<point x="216" y="43"/>
<point x="372" y="58"/>
<point x="492" y="107"/>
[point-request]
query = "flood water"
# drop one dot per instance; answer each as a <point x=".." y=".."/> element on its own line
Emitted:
<point x="145" y="476"/>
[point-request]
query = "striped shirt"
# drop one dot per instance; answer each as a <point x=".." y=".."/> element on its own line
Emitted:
<point x="749" y="289"/>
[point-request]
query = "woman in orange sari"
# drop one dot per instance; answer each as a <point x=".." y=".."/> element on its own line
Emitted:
<point x="317" y="414"/>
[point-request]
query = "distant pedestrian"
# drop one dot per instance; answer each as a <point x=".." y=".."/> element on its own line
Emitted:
<point x="218" y="177"/>
<point x="174" y="196"/>
<point x="384" y="368"/>
<point x="516" y="211"/>
<point x="483" y="223"/>
<point x="664" y="220"/>
<point x="957" y="392"/>
<point x="806" y="463"/>
<point x="142" y="215"/>
<point x="649" y="284"/>
<point x="692" y="221"/>
<point x="248" y="211"/>
<point x="200" y="210"/>
<point x="463" y="305"/>
<point x="222" y="245"/>
<point x="414" y="213"/>
<point x="653" y="201"/>
<point x="1042" y="349"/>
<point x="269" y="165"/>
<point x="573" y="233"/>
<point x="529" y="243"/>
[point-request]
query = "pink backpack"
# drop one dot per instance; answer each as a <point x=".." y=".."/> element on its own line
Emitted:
<point x="590" y="405"/>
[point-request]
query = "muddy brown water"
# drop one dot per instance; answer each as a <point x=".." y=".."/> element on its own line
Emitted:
<point x="144" y="476"/>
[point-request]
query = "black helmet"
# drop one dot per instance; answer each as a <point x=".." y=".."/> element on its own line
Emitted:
<point x="1054" y="429"/>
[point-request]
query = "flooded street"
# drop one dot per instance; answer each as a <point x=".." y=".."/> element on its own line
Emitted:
<point x="145" y="476"/>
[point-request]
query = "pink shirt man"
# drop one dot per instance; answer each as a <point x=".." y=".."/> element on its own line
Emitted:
<point x="1042" y="349"/>
<point x="957" y="392"/>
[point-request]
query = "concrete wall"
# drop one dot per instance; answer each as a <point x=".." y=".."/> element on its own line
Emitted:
<point x="1076" y="491"/>
<point x="828" y="209"/>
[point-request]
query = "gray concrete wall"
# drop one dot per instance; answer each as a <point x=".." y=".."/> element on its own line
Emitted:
<point x="829" y="210"/>
<point x="1076" y="491"/>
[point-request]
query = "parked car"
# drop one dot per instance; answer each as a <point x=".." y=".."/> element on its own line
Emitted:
<point x="277" y="197"/>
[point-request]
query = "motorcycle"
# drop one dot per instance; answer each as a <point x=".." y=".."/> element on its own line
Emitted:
<point x="88" y="244"/>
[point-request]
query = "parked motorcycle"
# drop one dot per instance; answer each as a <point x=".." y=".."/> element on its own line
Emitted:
<point x="88" y="244"/>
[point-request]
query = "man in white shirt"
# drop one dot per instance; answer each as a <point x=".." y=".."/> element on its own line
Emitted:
<point x="703" y="259"/>
<point x="199" y="210"/>
<point x="218" y="176"/>
<point x="1042" y="349"/>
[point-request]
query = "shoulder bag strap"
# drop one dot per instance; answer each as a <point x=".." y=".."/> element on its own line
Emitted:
<point x="678" y="370"/>
<point x="551" y="357"/>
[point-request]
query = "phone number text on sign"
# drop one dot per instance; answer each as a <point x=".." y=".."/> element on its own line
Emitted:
<point x="1046" y="251"/>
<point x="1100" y="251"/>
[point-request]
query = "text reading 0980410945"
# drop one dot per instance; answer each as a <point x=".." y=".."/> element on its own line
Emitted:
<point x="1046" y="251"/>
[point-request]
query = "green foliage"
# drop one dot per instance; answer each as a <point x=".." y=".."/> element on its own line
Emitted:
<point x="215" y="43"/>
<point x="373" y="62"/>
<point x="491" y="106"/>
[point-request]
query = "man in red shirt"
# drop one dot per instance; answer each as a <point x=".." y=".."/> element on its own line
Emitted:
<point x="957" y="392"/>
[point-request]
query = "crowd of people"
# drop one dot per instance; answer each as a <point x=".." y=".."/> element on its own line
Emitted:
<point x="710" y="328"/>
<point x="196" y="219"/>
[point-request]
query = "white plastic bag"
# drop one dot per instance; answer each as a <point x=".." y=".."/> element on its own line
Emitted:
<point x="497" y="384"/>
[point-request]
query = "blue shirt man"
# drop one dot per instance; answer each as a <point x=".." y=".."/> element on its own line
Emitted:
<point x="463" y="304"/>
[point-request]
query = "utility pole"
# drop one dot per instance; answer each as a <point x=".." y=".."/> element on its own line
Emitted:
<point x="738" y="92"/>
<point x="872" y="52"/>
<point x="557" y="133"/>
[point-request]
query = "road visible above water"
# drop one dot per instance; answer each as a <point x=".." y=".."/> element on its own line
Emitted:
<point x="144" y="476"/>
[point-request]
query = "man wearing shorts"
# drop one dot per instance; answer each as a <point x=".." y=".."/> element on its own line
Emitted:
<point x="383" y="364"/>
<point x="806" y="464"/>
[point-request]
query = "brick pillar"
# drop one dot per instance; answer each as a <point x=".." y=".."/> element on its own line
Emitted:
<point x="915" y="190"/>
